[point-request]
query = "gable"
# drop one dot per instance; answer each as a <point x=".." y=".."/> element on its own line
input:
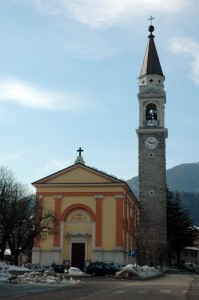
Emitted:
<point x="78" y="173"/>
<point x="78" y="176"/>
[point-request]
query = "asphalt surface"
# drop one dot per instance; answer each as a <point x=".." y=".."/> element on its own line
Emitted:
<point x="183" y="286"/>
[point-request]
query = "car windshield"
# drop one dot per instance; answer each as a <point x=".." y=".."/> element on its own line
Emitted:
<point x="116" y="265"/>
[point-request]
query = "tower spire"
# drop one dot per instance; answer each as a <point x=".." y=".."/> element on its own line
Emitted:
<point x="151" y="63"/>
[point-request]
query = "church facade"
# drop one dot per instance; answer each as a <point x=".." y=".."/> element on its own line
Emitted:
<point x="97" y="217"/>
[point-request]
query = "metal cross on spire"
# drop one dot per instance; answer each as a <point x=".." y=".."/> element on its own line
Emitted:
<point x="80" y="150"/>
<point x="151" y="19"/>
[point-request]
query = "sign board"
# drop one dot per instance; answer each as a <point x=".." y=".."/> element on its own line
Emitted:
<point x="133" y="252"/>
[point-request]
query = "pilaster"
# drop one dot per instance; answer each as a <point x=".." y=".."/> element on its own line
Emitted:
<point x="98" y="235"/>
<point x="57" y="199"/>
<point x="119" y="220"/>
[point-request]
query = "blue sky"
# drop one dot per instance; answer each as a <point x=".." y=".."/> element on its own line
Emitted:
<point x="68" y="79"/>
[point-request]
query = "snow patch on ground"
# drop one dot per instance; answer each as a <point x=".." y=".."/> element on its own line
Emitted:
<point x="4" y="274"/>
<point x="15" y="274"/>
<point x="29" y="277"/>
<point x="137" y="272"/>
<point x="49" y="277"/>
<point x="75" y="271"/>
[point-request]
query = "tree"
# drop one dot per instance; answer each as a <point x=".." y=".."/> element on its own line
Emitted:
<point x="180" y="228"/>
<point x="22" y="217"/>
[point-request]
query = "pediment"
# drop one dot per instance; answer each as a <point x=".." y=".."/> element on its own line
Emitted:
<point x="78" y="173"/>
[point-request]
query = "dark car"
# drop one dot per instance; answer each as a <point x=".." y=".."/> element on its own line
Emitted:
<point x="40" y="268"/>
<point x="102" y="268"/>
<point x="58" y="268"/>
<point x="117" y="265"/>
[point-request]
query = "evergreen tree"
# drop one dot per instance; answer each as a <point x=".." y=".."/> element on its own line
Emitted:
<point x="180" y="229"/>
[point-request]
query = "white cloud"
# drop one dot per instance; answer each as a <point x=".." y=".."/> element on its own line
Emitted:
<point x="191" y="48"/>
<point x="52" y="166"/>
<point x="31" y="96"/>
<point x="106" y="13"/>
<point x="7" y="157"/>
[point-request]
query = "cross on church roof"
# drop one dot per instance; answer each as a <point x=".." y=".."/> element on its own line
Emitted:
<point x="151" y="19"/>
<point x="80" y="150"/>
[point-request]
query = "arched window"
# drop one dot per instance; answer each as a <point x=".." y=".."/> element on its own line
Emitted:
<point x="151" y="115"/>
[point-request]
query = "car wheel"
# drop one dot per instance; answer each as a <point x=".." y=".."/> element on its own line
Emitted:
<point x="93" y="274"/>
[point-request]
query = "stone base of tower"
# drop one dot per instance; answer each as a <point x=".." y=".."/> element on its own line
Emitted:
<point x="116" y="255"/>
<point x="152" y="248"/>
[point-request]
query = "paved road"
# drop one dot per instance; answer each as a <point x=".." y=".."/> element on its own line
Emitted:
<point x="168" y="287"/>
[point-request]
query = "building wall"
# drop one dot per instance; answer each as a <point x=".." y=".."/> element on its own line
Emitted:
<point x="106" y="231"/>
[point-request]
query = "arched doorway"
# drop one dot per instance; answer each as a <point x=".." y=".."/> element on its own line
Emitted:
<point x="79" y="237"/>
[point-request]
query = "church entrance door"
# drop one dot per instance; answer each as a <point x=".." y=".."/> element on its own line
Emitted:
<point x="78" y="255"/>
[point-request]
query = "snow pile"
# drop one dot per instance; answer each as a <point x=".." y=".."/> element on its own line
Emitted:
<point x="41" y="277"/>
<point x="137" y="272"/>
<point x="4" y="274"/>
<point x="75" y="271"/>
<point x="3" y="265"/>
<point x="17" y="269"/>
<point x="9" y="273"/>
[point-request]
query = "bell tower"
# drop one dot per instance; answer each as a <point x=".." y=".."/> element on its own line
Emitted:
<point x="152" y="158"/>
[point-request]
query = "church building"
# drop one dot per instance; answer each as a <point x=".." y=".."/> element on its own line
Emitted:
<point x="97" y="217"/>
<point x="97" y="213"/>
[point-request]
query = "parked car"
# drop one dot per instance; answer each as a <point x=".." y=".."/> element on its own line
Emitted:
<point x="102" y="268"/>
<point x="36" y="268"/>
<point x="190" y="267"/>
<point x="41" y="268"/>
<point x="116" y="265"/>
<point x="58" y="268"/>
<point x="47" y="267"/>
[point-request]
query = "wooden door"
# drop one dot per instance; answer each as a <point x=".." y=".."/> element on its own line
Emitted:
<point x="78" y="255"/>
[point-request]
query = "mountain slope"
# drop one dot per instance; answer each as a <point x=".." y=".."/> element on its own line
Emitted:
<point x="184" y="179"/>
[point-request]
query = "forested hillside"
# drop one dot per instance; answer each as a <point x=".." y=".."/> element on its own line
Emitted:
<point x="184" y="179"/>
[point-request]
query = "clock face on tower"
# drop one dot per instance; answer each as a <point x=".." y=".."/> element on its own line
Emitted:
<point x="151" y="142"/>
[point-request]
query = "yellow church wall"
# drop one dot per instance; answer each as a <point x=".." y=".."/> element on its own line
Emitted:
<point x="78" y="175"/>
<point x="72" y="189"/>
<point x="68" y="201"/>
<point x="47" y="244"/>
<point x="78" y="228"/>
<point x="108" y="223"/>
<point x="48" y="202"/>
